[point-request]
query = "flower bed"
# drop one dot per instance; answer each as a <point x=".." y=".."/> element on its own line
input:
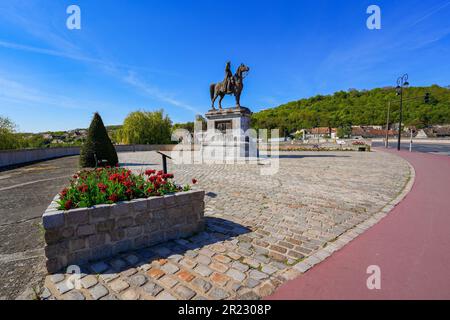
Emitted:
<point x="111" y="210"/>
<point x="110" y="185"/>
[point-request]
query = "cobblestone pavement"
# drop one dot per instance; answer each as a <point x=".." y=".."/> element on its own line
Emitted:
<point x="258" y="228"/>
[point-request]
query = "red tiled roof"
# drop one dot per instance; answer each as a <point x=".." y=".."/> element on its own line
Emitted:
<point x="322" y="130"/>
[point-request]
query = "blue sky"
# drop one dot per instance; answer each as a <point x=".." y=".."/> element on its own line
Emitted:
<point x="164" y="54"/>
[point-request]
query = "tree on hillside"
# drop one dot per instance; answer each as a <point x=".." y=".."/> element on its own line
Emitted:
<point x="363" y="107"/>
<point x="97" y="145"/>
<point x="144" y="127"/>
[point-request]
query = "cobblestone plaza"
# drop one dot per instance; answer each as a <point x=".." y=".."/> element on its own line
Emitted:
<point x="260" y="230"/>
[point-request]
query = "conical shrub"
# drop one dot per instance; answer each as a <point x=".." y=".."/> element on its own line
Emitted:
<point x="97" y="145"/>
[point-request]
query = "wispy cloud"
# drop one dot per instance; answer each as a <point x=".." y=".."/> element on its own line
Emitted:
<point x="49" y="52"/>
<point x="430" y="13"/>
<point x="26" y="17"/>
<point x="156" y="93"/>
<point x="123" y="72"/>
<point x="79" y="57"/>
<point x="355" y="59"/>
<point x="12" y="91"/>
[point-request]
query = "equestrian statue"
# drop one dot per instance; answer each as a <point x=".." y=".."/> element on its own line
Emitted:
<point x="232" y="84"/>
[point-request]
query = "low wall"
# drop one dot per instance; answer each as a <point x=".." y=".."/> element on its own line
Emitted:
<point x="88" y="234"/>
<point x="14" y="157"/>
<point x="145" y="147"/>
<point x="418" y="140"/>
<point x="323" y="146"/>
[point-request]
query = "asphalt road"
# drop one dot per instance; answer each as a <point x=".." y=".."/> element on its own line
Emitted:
<point x="25" y="193"/>
<point x="434" y="148"/>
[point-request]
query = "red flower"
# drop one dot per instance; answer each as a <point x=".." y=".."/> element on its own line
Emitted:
<point x="160" y="173"/>
<point x="68" y="204"/>
<point x="194" y="181"/>
<point x="102" y="187"/>
<point x="149" y="172"/>
<point x="63" y="192"/>
<point x="113" y="198"/>
<point x="83" y="188"/>
<point x="75" y="176"/>
<point x="114" y="177"/>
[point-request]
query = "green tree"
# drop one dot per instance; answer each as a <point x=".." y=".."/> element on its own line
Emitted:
<point x="363" y="107"/>
<point x="144" y="127"/>
<point x="97" y="145"/>
<point x="189" y="126"/>
<point x="8" y="139"/>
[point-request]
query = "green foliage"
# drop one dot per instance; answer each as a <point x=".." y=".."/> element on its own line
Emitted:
<point x="98" y="144"/>
<point x="144" y="127"/>
<point x="110" y="185"/>
<point x="189" y="126"/>
<point x="358" y="108"/>
<point x="8" y="140"/>
<point x="114" y="133"/>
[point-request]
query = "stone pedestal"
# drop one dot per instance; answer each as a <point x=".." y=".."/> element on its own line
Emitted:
<point x="227" y="134"/>
<point x="229" y="119"/>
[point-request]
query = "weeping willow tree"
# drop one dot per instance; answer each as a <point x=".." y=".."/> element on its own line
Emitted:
<point x="144" y="127"/>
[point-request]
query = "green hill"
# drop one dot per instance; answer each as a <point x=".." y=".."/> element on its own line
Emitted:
<point x="353" y="107"/>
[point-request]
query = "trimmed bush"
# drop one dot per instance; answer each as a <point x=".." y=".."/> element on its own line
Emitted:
<point x="97" y="145"/>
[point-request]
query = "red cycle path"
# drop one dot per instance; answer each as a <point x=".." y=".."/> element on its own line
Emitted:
<point x="411" y="246"/>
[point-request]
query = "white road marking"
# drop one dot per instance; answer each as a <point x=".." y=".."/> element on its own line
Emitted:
<point x="24" y="255"/>
<point x="31" y="182"/>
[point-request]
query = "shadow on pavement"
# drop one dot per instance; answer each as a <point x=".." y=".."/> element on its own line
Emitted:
<point x="132" y="164"/>
<point x="216" y="230"/>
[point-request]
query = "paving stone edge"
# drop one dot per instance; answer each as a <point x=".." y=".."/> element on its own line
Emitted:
<point x="346" y="237"/>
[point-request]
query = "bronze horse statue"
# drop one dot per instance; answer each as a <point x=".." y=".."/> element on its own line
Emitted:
<point x="237" y="84"/>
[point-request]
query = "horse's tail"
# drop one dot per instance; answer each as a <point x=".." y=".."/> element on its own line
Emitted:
<point x="212" y="88"/>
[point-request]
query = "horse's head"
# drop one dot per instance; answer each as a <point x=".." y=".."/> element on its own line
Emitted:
<point x="242" y="69"/>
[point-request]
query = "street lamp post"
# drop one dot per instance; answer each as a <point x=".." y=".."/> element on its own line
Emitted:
<point x="402" y="82"/>
<point x="387" y="125"/>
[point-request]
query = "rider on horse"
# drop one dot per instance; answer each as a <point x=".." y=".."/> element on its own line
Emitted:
<point x="228" y="81"/>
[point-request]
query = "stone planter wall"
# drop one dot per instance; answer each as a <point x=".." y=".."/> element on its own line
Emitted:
<point x="80" y="235"/>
